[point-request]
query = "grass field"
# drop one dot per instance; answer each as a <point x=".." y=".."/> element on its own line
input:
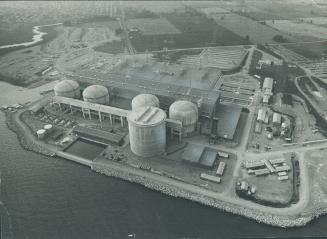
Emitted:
<point x="243" y="26"/>
<point x="299" y="28"/>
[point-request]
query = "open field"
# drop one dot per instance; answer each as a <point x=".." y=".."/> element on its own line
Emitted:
<point x="299" y="28"/>
<point x="152" y="26"/>
<point x="243" y="26"/>
<point x="287" y="10"/>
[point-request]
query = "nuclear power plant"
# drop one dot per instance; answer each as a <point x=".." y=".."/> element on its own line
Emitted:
<point x="149" y="121"/>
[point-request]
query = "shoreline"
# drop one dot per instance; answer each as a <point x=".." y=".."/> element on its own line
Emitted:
<point x="123" y="172"/>
<point x="37" y="37"/>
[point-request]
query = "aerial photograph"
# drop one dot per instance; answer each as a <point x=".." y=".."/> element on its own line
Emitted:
<point x="163" y="119"/>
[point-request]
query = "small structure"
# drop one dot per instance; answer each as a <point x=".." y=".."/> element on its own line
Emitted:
<point x="267" y="88"/>
<point x="48" y="128"/>
<point x="277" y="161"/>
<point x="268" y="84"/>
<point x="200" y="155"/>
<point x="258" y="128"/>
<point x="41" y="133"/>
<point x="261" y="115"/>
<point x="261" y="172"/>
<point x="210" y="178"/>
<point x="277" y="119"/>
<point x="223" y="154"/>
<point x="221" y="169"/>
<point x="254" y="164"/>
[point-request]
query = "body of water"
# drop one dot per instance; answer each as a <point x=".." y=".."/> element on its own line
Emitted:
<point x="38" y="36"/>
<point x="55" y="198"/>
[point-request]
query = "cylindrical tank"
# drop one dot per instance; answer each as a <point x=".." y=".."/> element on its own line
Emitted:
<point x="186" y="112"/>
<point x="96" y="94"/>
<point x="143" y="100"/>
<point x="67" y="88"/>
<point x="147" y="131"/>
<point x="48" y="128"/>
<point x="41" y="133"/>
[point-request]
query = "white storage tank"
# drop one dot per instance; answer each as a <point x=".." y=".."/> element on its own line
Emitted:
<point x="143" y="100"/>
<point x="48" y="128"/>
<point x="67" y="88"/>
<point x="41" y="133"/>
<point x="147" y="131"/>
<point x="186" y="112"/>
<point x="96" y="94"/>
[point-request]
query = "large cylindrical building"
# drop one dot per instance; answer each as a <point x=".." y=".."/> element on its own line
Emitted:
<point x="67" y="88"/>
<point x="147" y="131"/>
<point x="143" y="100"/>
<point x="186" y="112"/>
<point x="96" y="94"/>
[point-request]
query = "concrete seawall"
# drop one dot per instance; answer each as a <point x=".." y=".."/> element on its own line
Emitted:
<point x="74" y="158"/>
<point x="169" y="186"/>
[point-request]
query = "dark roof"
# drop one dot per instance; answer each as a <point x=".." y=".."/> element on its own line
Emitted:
<point x="98" y="135"/>
<point x="199" y="154"/>
<point x="193" y="152"/>
<point x="228" y="117"/>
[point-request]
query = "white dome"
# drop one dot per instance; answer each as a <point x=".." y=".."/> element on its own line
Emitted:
<point x="67" y="88"/>
<point x="96" y="94"/>
<point x="143" y="100"/>
<point x="186" y="112"/>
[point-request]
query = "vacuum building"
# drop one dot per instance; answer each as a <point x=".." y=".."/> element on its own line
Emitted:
<point x="147" y="131"/>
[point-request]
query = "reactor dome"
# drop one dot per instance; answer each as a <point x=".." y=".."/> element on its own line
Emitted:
<point x="147" y="131"/>
<point x="96" y="94"/>
<point x="186" y="112"/>
<point x="143" y="100"/>
<point x="67" y="88"/>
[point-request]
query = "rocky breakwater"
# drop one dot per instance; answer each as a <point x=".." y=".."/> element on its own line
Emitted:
<point x="124" y="172"/>
<point x="26" y="142"/>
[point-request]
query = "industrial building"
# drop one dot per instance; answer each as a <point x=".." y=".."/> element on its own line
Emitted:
<point x="225" y="120"/>
<point x="199" y="155"/>
<point x="147" y="123"/>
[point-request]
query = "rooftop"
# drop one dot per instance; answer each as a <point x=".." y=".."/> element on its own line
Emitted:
<point x="228" y="117"/>
<point x="147" y="116"/>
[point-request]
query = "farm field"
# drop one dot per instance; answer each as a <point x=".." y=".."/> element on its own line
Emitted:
<point x="152" y="26"/>
<point x="316" y="20"/>
<point x="299" y="28"/>
<point x="243" y="26"/>
<point x="182" y="31"/>
<point x="199" y="30"/>
<point x="289" y="11"/>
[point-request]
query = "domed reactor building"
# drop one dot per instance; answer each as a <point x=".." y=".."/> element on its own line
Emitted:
<point x="143" y="100"/>
<point x="96" y="94"/>
<point x="67" y="88"/>
<point x="187" y="113"/>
